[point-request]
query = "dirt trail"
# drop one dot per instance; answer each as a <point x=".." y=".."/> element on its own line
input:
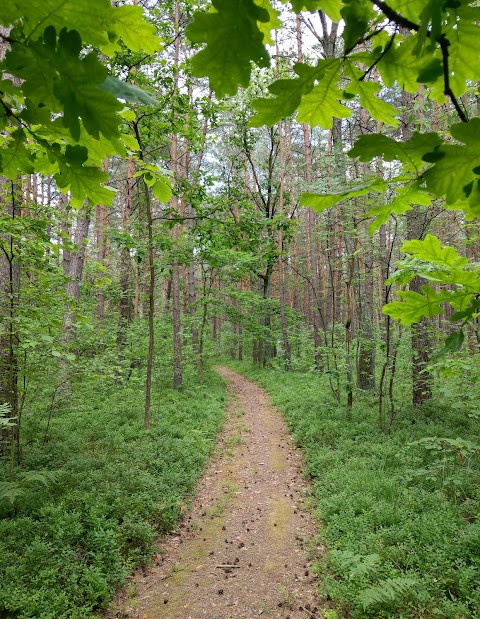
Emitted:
<point x="243" y="549"/>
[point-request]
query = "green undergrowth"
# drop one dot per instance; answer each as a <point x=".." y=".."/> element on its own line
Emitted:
<point x="400" y="511"/>
<point x="102" y="490"/>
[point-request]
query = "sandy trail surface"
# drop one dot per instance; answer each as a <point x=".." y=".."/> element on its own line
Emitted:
<point x="245" y="547"/>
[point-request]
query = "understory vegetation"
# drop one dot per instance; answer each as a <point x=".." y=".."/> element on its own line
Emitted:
<point x="103" y="489"/>
<point x="400" y="511"/>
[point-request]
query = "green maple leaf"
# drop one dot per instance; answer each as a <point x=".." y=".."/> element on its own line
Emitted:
<point x="411" y="9"/>
<point x="233" y="41"/>
<point x="287" y="99"/>
<point x="70" y="14"/>
<point x="320" y="202"/>
<point x="415" y="305"/>
<point x="287" y="95"/>
<point x="77" y="88"/>
<point x="418" y="58"/>
<point x="456" y="167"/>
<point x="410" y="153"/>
<point x="332" y="8"/>
<point x="83" y="182"/>
<point x="34" y="64"/>
<point x="430" y="249"/>
<point x="129" y="24"/>
<point x="58" y="78"/>
<point x="430" y="25"/>
<point x="98" y="149"/>
<point x="457" y="276"/>
<point x="321" y="105"/>
<point x="97" y="111"/>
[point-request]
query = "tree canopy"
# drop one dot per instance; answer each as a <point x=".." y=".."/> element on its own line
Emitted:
<point x="424" y="45"/>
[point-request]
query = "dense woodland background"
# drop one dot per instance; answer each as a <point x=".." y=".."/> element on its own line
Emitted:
<point x="111" y="317"/>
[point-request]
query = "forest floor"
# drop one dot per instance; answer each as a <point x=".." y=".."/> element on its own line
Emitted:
<point x="246" y="546"/>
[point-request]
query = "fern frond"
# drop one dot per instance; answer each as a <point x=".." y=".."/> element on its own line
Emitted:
<point x="388" y="591"/>
<point x="5" y="420"/>
<point x="357" y="566"/>
<point x="364" y="567"/>
<point x="40" y="477"/>
<point x="10" y="491"/>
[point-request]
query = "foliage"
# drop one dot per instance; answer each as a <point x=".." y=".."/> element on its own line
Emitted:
<point x="399" y="511"/>
<point x="457" y="283"/>
<point x="444" y="74"/>
<point x="12" y="490"/>
<point x="118" y="489"/>
<point x="238" y="23"/>
<point x="5" y="419"/>
<point x="407" y="43"/>
<point x="59" y="107"/>
<point x="388" y="592"/>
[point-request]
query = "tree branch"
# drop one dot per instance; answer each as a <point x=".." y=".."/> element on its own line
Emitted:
<point x="396" y="17"/>
<point x="443" y="42"/>
<point x="444" y="45"/>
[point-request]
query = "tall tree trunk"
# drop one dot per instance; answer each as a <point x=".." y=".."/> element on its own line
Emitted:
<point x="281" y="266"/>
<point x="125" y="303"/>
<point x="266" y="355"/>
<point x="416" y="228"/>
<point x="101" y="222"/>
<point x="73" y="263"/>
<point x="197" y="337"/>
<point x="364" y="314"/>
<point x="9" y="297"/>
<point x="311" y="233"/>
<point x="151" y="310"/>
<point x="348" y="332"/>
<point x="176" y="301"/>
<point x="364" y="296"/>
<point x="240" y="331"/>
<point x="421" y="345"/>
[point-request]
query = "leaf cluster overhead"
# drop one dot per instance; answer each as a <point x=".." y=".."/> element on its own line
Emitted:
<point x="60" y="112"/>
<point x="410" y="44"/>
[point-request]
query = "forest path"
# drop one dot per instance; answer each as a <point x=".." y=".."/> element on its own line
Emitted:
<point x="245" y="548"/>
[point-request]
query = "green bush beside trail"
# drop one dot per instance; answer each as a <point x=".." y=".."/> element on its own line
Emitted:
<point x="71" y="537"/>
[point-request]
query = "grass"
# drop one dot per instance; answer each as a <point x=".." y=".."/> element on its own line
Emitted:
<point x="218" y="508"/>
<point x="400" y="511"/>
<point x="66" y="545"/>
